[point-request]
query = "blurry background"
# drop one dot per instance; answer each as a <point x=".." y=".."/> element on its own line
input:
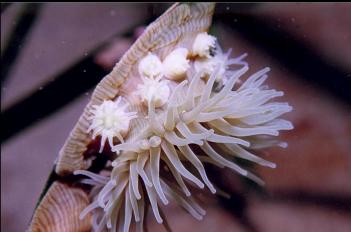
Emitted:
<point x="53" y="55"/>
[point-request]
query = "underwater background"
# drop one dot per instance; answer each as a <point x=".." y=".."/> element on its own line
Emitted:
<point x="53" y="55"/>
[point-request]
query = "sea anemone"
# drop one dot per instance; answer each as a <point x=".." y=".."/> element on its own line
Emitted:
<point x="176" y="64"/>
<point x="110" y="120"/>
<point x="172" y="103"/>
<point x="223" y="119"/>
<point x="150" y="66"/>
<point x="208" y="64"/>
<point x="204" y="45"/>
<point x="154" y="90"/>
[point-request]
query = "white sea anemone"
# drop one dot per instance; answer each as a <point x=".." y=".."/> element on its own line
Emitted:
<point x="203" y="45"/>
<point x="176" y="64"/>
<point x="110" y="120"/>
<point x="154" y="90"/>
<point x="208" y="65"/>
<point x="150" y="66"/>
<point x="223" y="123"/>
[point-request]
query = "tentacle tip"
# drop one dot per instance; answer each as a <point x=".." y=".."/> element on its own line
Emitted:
<point x="283" y="145"/>
<point x="200" y="142"/>
<point x="275" y="133"/>
<point x="113" y="149"/>
<point x="246" y="144"/>
<point x="213" y="190"/>
<point x="245" y="68"/>
<point x="273" y="165"/>
<point x="159" y="221"/>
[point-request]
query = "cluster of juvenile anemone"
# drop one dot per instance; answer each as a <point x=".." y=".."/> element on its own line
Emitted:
<point x="198" y="111"/>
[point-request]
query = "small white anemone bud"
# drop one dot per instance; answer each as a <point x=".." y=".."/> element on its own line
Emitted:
<point x="150" y="66"/>
<point x="154" y="90"/>
<point x="203" y="44"/>
<point x="176" y="64"/>
<point x="208" y="66"/>
<point x="109" y="120"/>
